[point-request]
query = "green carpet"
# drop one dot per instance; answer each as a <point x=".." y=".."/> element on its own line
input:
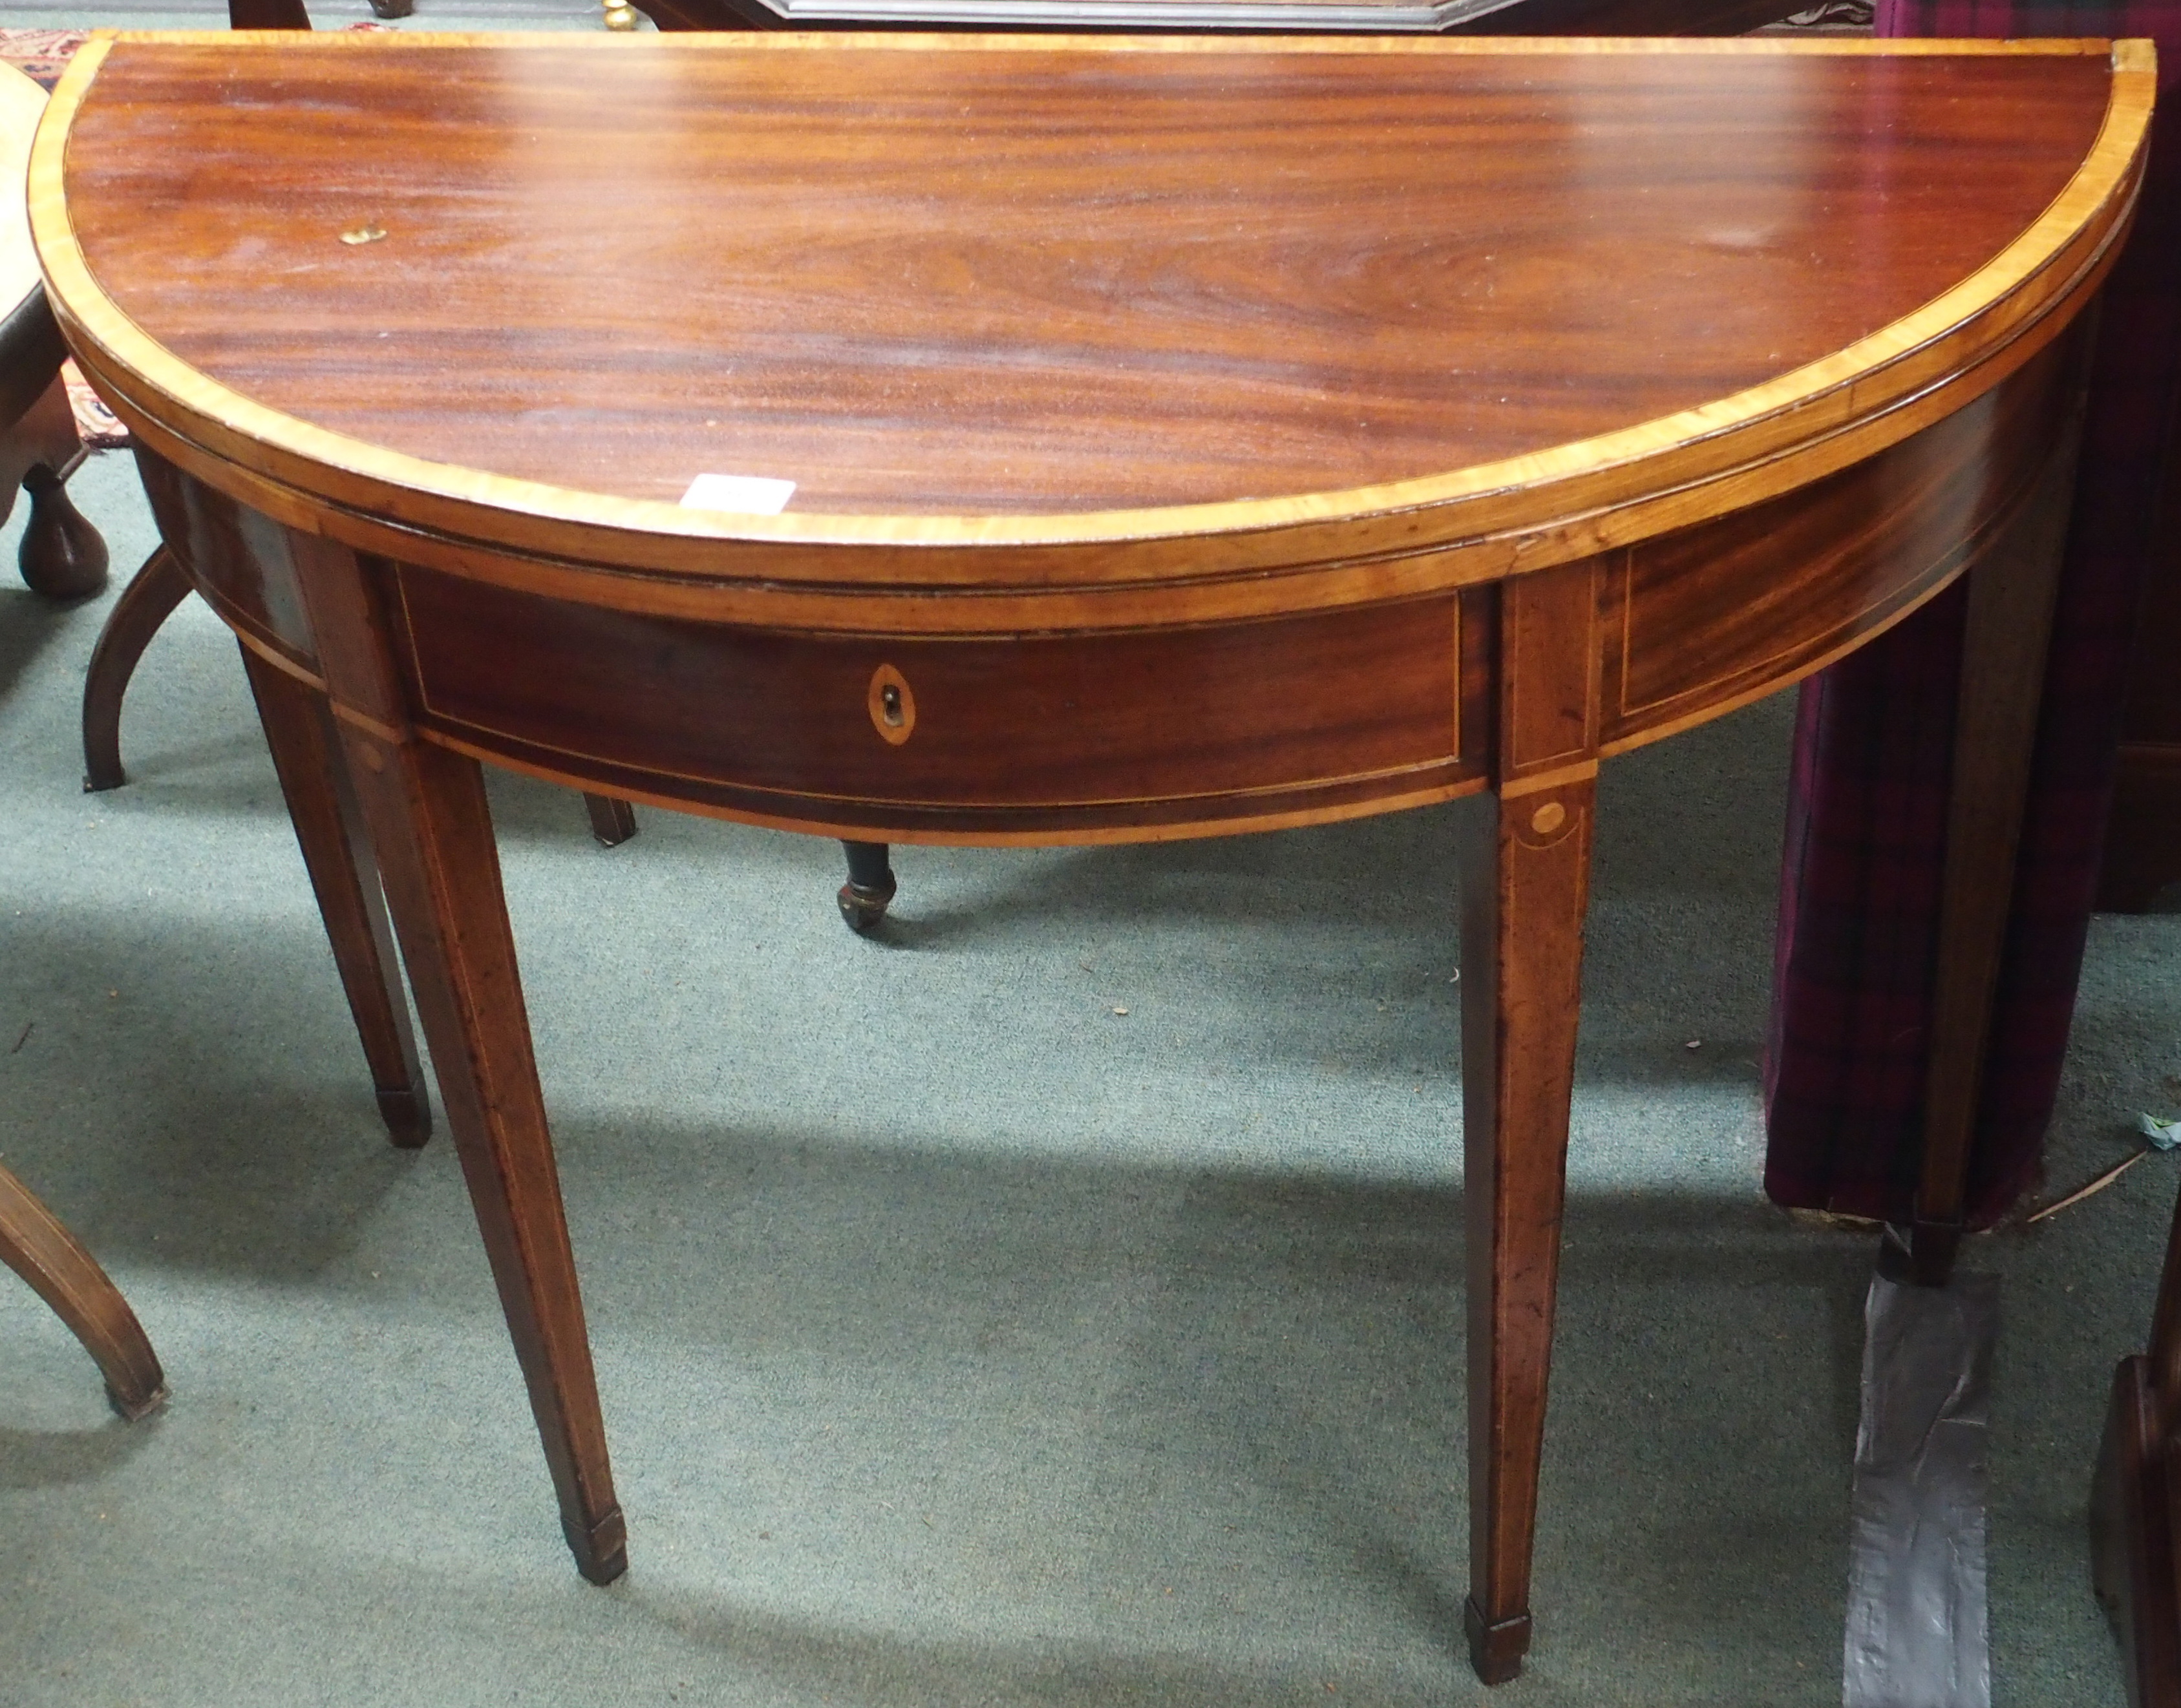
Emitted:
<point x="961" y="1341"/>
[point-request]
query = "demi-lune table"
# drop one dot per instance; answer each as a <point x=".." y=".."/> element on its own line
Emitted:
<point x="1035" y="440"/>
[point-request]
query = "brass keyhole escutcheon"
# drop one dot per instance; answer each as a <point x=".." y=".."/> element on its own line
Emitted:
<point x="892" y="707"/>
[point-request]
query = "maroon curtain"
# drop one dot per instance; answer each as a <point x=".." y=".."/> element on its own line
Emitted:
<point x="1858" y="915"/>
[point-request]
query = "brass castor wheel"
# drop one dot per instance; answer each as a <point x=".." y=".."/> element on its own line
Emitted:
<point x="869" y="888"/>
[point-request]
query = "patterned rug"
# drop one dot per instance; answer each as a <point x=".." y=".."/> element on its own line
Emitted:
<point x="42" y="54"/>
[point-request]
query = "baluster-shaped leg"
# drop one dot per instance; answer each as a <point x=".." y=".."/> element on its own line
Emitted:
<point x="431" y="830"/>
<point x="62" y="555"/>
<point x="337" y="853"/>
<point x="1526" y="885"/>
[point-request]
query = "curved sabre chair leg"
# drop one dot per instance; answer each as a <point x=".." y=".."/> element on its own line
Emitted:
<point x="144" y="606"/>
<point x="35" y="1244"/>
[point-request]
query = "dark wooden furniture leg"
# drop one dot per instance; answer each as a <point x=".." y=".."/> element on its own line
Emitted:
<point x="613" y="821"/>
<point x="35" y="1244"/>
<point x="62" y="555"/>
<point x="866" y="896"/>
<point x="337" y="853"/>
<point x="2133" y="1510"/>
<point x="431" y="829"/>
<point x="143" y="608"/>
<point x="268" y="14"/>
<point x="1525" y="887"/>
<point x="2004" y="655"/>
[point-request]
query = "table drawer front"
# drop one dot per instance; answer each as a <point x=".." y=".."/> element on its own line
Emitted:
<point x="1043" y="721"/>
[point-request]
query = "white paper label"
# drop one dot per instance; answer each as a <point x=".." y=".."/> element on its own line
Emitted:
<point x="750" y="495"/>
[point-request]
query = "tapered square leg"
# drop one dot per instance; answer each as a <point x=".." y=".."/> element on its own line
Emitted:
<point x="432" y="831"/>
<point x="337" y="853"/>
<point x="1526" y="882"/>
<point x="1525" y="887"/>
<point x="2004" y="647"/>
<point x="613" y="820"/>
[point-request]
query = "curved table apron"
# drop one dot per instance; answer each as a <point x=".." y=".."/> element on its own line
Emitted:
<point x="1014" y="672"/>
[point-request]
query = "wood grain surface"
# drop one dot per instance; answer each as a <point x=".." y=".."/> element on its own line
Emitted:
<point x="971" y="292"/>
<point x="973" y="283"/>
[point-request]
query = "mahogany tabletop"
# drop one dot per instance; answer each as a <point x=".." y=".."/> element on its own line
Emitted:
<point x="1044" y="292"/>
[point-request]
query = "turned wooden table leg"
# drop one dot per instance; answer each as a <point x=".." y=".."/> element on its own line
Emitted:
<point x="1525" y="886"/>
<point x="145" y="604"/>
<point x="431" y="830"/>
<point x="865" y="897"/>
<point x="34" y="1243"/>
<point x="61" y="555"/>
<point x="337" y="853"/>
<point x="2003" y="660"/>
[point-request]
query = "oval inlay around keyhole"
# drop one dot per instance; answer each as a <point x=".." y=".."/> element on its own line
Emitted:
<point x="891" y="706"/>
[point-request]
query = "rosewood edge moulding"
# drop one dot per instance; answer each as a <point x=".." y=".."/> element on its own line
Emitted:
<point x="1186" y="436"/>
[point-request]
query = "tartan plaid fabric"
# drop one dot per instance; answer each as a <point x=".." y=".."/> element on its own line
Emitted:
<point x="1855" y="953"/>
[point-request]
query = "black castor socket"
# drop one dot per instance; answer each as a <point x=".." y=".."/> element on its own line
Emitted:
<point x="864" y="897"/>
